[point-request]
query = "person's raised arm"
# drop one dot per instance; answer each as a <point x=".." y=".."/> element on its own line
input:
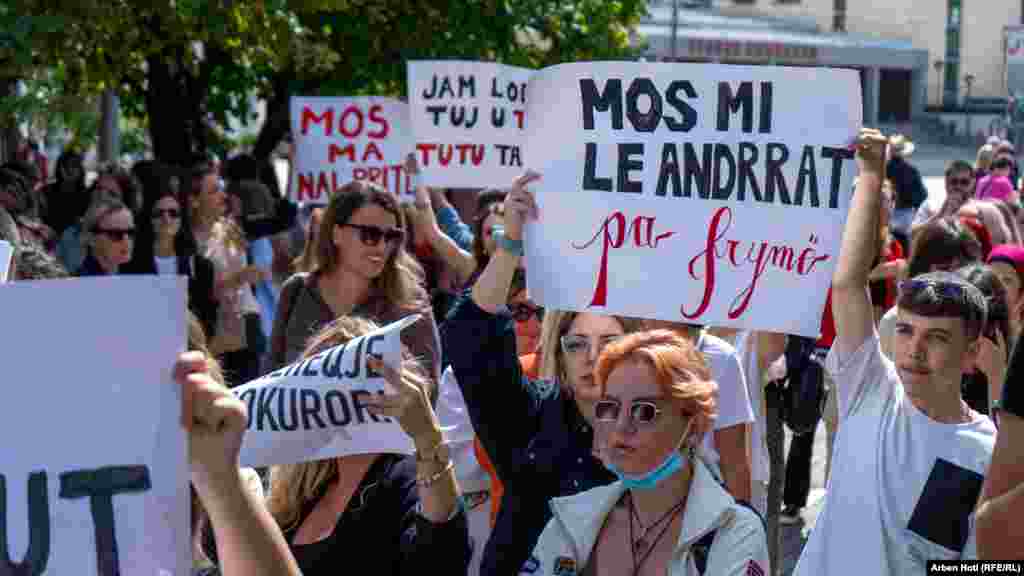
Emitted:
<point x="410" y="405"/>
<point x="481" y="346"/>
<point x="249" y="542"/>
<point x="999" y="531"/>
<point x="461" y="261"/>
<point x="491" y="290"/>
<point x="851" y="302"/>
<point x="450" y="222"/>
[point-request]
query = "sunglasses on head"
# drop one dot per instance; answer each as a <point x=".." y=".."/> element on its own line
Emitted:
<point x="641" y="412"/>
<point x="945" y="289"/>
<point x="522" y="311"/>
<point x="116" y="234"/>
<point x="372" y="235"/>
<point x="171" y="213"/>
<point x="574" y="345"/>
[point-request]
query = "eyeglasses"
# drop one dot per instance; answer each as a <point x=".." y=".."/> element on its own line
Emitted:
<point x="372" y="235"/>
<point x="521" y="312"/>
<point x="171" y="213"/>
<point x="116" y="234"/>
<point x="961" y="182"/>
<point x="575" y="345"/>
<point x="641" y="413"/>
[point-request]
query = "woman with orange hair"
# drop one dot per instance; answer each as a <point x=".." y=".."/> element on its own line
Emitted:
<point x="667" y="514"/>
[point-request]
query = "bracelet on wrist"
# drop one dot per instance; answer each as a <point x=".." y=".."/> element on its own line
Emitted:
<point x="427" y="481"/>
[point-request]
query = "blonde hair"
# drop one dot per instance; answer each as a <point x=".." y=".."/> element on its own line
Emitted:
<point x="294" y="488"/>
<point x="679" y="369"/>
<point x="985" y="156"/>
<point x="556" y="324"/>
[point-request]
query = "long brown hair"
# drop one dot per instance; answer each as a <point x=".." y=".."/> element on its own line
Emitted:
<point x="399" y="286"/>
<point x="490" y="201"/>
<point x="294" y="488"/>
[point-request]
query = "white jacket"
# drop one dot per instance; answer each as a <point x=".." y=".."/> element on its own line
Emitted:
<point x="740" y="547"/>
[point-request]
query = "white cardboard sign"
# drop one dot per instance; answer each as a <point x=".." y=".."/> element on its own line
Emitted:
<point x="6" y="257"/>
<point x="338" y="140"/>
<point x="468" y="121"/>
<point x="698" y="193"/>
<point x="95" y="479"/>
<point x="314" y="408"/>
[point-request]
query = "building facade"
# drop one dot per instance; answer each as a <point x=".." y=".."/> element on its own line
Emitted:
<point x="911" y="54"/>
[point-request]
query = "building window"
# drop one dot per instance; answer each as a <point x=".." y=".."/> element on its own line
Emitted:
<point x="951" y="77"/>
<point x="839" y="15"/>
<point x="743" y="1"/>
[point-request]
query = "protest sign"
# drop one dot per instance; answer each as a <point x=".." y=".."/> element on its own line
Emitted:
<point x="315" y="408"/>
<point x="697" y="193"/>
<point x="338" y="140"/>
<point x="95" y="480"/>
<point x="6" y="257"/>
<point x="467" y="121"/>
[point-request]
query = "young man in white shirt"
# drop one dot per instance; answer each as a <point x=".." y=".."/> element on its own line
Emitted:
<point x="910" y="454"/>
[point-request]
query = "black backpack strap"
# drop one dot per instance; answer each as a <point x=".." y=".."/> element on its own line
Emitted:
<point x="700" y="550"/>
<point x="702" y="547"/>
<point x="749" y="506"/>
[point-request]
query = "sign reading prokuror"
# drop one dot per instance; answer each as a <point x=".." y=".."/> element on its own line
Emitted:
<point x="315" y="408"/>
<point x="338" y="140"/>
<point x="697" y="193"/>
<point x="95" y="478"/>
<point x="468" y="120"/>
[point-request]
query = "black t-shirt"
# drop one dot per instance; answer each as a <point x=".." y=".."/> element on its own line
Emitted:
<point x="1012" y="399"/>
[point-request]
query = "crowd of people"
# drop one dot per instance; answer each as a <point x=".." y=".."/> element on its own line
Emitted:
<point x="586" y="443"/>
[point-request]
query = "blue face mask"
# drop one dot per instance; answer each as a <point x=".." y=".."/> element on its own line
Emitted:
<point x="649" y="480"/>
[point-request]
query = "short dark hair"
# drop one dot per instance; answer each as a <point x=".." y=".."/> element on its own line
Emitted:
<point x="484" y="203"/>
<point x="939" y="242"/>
<point x="985" y="279"/>
<point x="957" y="166"/>
<point x="945" y="294"/>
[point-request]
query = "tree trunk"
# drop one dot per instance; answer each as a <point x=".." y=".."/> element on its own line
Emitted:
<point x="171" y="110"/>
<point x="9" y="136"/>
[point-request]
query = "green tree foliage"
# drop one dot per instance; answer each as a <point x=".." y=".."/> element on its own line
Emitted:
<point x="181" y="67"/>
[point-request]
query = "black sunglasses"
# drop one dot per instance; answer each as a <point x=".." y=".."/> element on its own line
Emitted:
<point x="372" y="235"/>
<point x="116" y="234"/>
<point x="641" y="412"/>
<point x="521" y="312"/>
<point x="965" y="182"/>
<point x="170" y="213"/>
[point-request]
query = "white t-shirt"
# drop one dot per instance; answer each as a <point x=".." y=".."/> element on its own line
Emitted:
<point x="733" y="401"/>
<point x="474" y="481"/>
<point x="903" y="486"/>
<point x="166" y="266"/>
<point x="886" y="330"/>
<point x="746" y="348"/>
